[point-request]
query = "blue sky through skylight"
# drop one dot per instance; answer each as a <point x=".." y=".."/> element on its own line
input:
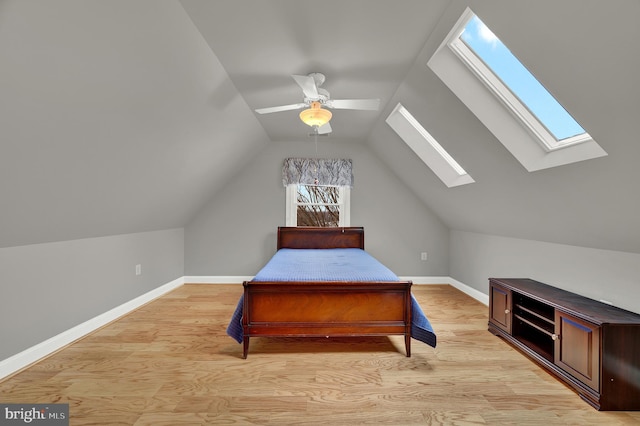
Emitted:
<point x="519" y="80"/>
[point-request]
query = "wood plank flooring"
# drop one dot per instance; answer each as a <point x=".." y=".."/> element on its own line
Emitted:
<point x="171" y="363"/>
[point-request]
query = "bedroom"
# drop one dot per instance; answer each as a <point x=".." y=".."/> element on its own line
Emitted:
<point x="136" y="144"/>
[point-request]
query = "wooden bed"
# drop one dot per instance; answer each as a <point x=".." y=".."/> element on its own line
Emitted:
<point x="325" y="308"/>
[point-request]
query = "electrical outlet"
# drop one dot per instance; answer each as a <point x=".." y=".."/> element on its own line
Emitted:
<point x="138" y="269"/>
<point x="423" y="255"/>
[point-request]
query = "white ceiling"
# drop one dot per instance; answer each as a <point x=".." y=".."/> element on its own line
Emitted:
<point x="120" y="116"/>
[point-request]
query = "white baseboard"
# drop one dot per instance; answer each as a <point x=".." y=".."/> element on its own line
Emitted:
<point x="427" y="280"/>
<point x="478" y="295"/>
<point x="216" y="279"/>
<point x="21" y="360"/>
<point x="27" y="357"/>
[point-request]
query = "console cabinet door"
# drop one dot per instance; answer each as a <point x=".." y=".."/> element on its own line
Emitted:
<point x="577" y="349"/>
<point x="500" y="307"/>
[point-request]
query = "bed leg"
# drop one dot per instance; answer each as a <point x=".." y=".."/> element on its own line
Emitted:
<point x="245" y="349"/>
<point x="407" y="344"/>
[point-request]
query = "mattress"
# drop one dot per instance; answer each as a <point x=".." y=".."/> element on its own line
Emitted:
<point x="335" y="264"/>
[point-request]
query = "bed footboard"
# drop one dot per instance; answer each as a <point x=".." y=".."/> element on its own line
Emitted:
<point x="326" y="309"/>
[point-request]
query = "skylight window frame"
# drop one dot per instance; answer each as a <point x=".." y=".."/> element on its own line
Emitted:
<point x="498" y="118"/>
<point x="427" y="148"/>
<point x="495" y="84"/>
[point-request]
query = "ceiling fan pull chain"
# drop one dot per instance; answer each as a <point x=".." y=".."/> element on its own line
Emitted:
<point x="315" y="169"/>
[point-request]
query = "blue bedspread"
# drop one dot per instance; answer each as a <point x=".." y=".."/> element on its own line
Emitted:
<point x="337" y="264"/>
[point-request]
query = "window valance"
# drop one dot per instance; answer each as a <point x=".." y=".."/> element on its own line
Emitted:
<point x="317" y="171"/>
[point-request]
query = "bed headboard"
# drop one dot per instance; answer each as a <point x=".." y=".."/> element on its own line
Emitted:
<point x="310" y="237"/>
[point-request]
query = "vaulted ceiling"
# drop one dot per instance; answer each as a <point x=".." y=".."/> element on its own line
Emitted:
<point x="364" y="48"/>
<point x="120" y="116"/>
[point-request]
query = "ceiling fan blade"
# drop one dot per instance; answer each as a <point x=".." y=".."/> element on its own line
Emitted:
<point x="363" y="104"/>
<point x="308" y="85"/>
<point x="280" y="108"/>
<point x="324" y="129"/>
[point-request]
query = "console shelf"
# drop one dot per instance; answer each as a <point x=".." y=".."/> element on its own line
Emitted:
<point x="591" y="346"/>
<point x="532" y="324"/>
<point x="549" y="321"/>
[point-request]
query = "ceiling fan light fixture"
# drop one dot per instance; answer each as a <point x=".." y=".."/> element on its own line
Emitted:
<point x="315" y="116"/>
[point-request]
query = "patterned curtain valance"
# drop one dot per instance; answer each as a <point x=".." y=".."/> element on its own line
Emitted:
<point x="317" y="171"/>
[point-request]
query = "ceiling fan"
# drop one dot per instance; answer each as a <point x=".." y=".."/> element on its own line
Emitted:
<point x="315" y="97"/>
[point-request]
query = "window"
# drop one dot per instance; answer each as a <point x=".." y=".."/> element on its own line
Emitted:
<point x="427" y="148"/>
<point x="317" y="191"/>
<point x="317" y="205"/>
<point x="508" y="99"/>
<point x="516" y="86"/>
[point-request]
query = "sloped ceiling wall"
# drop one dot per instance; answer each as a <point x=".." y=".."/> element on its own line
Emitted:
<point x="115" y="117"/>
<point x="118" y="117"/>
<point x="585" y="53"/>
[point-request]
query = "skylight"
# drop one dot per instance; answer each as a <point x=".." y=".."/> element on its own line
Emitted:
<point x="519" y="80"/>
<point x="427" y="148"/>
<point x="518" y="89"/>
<point x="489" y="79"/>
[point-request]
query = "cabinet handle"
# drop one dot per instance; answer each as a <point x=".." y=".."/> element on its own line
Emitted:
<point x="506" y="311"/>
<point x="555" y="336"/>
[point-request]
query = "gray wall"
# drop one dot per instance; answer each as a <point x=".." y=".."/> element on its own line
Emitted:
<point x="49" y="288"/>
<point x="598" y="274"/>
<point x="235" y="234"/>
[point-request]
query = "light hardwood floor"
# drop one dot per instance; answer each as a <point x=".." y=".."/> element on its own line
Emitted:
<point x="171" y="363"/>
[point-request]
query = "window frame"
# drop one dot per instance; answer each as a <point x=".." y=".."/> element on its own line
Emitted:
<point x="494" y="111"/>
<point x="504" y="93"/>
<point x="291" y="202"/>
<point x="427" y="148"/>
